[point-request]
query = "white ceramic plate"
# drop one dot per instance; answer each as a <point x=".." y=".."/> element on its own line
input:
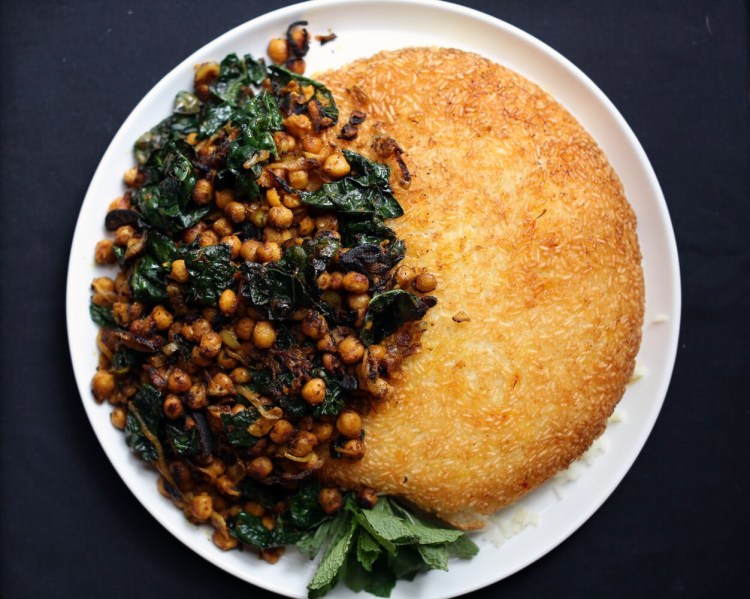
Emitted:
<point x="364" y="27"/>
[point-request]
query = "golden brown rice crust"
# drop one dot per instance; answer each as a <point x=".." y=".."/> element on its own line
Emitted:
<point x="518" y="213"/>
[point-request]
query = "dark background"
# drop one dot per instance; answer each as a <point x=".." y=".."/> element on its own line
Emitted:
<point x="678" y="524"/>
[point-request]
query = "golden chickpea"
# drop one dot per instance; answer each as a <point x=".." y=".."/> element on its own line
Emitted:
<point x="312" y="144"/>
<point x="264" y="334"/>
<point x="282" y="431"/>
<point x="162" y="318"/>
<point x="249" y="249"/>
<point x="124" y="234"/>
<point x="284" y="143"/>
<point x="298" y="179"/>
<point x="203" y="192"/>
<point x="260" y="467"/>
<point x="173" y="407"/>
<point x="336" y="166"/>
<point x="331" y="500"/>
<point x="223" y="197"/>
<point x="201" y="507"/>
<point x="210" y="344"/>
<point x="179" y="381"/>
<point x="298" y="124"/>
<point x="258" y="218"/>
<point x="278" y="50"/>
<point x="323" y="431"/>
<point x="133" y="177"/>
<point x="104" y="252"/>
<point x="103" y="385"/>
<point x="272" y="196"/>
<point x="354" y="449"/>
<point x="358" y="301"/>
<point x="324" y="280"/>
<point x="240" y="375"/>
<point x="225" y="360"/>
<point x="314" y="391"/>
<point x="228" y="302"/>
<point x="350" y="350"/>
<point x="268" y="251"/>
<point x="355" y="282"/>
<point x="280" y="217"/>
<point x="302" y="444"/>
<point x="377" y="352"/>
<point x="222" y="226"/>
<point x="220" y="386"/>
<point x="179" y="271"/>
<point x="330" y="362"/>
<point x="234" y="244"/>
<point x="181" y="474"/>
<point x="118" y="418"/>
<point x="244" y="328"/>
<point x="405" y="275"/>
<point x="296" y="65"/>
<point x="208" y="238"/>
<point x="256" y="509"/>
<point x="196" y="398"/>
<point x="367" y="498"/>
<point x="306" y="226"/>
<point x="235" y="212"/>
<point x="327" y="223"/>
<point x="224" y="541"/>
<point x="314" y="325"/>
<point x="326" y="344"/>
<point x="201" y="326"/>
<point x="425" y="283"/>
<point x="349" y="424"/>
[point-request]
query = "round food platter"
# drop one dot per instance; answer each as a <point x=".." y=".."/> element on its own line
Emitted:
<point x="549" y="514"/>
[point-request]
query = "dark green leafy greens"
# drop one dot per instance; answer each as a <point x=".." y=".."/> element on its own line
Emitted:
<point x="389" y="310"/>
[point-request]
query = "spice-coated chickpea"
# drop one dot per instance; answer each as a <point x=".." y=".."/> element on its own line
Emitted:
<point x="162" y="318"/>
<point x="284" y="143"/>
<point x="220" y="386"/>
<point x="355" y="282"/>
<point x="280" y="217"/>
<point x="133" y="177"/>
<point x="268" y="251"/>
<point x="221" y="228"/>
<point x="210" y="344"/>
<point x="314" y="325"/>
<point x="103" y="384"/>
<point x="244" y="328"/>
<point x="278" y="50"/>
<point x="354" y="449"/>
<point x="228" y="302"/>
<point x="249" y="249"/>
<point x="323" y="431"/>
<point x="314" y="391"/>
<point x="302" y="444"/>
<point x="240" y="375"/>
<point x="104" y="252"/>
<point x="350" y="350"/>
<point x="358" y="301"/>
<point x="336" y="166"/>
<point x="298" y="124"/>
<point x="179" y="271"/>
<point x="235" y="212"/>
<point x="312" y="144"/>
<point x="327" y="223"/>
<point x="201" y="507"/>
<point x="306" y="226"/>
<point x="264" y="334"/>
<point x="282" y="431"/>
<point x="196" y="398"/>
<point x="260" y="467"/>
<point x="272" y="196"/>
<point x="124" y="234"/>
<point x="425" y="283"/>
<point x="203" y="192"/>
<point x="331" y="500"/>
<point x="298" y="179"/>
<point x="324" y="280"/>
<point x="224" y="541"/>
<point x="405" y="275"/>
<point x="234" y="244"/>
<point x="118" y="418"/>
<point x="173" y="407"/>
<point x="179" y="381"/>
<point x="296" y="65"/>
<point x="222" y="197"/>
<point x="349" y="424"/>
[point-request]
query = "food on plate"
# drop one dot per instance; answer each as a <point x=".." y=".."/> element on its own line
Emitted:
<point x="258" y="314"/>
<point x="517" y="213"/>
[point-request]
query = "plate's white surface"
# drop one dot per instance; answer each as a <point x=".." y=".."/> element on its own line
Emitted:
<point x="364" y="27"/>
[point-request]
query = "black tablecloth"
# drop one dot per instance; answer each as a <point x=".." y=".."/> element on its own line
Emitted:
<point x="678" y="524"/>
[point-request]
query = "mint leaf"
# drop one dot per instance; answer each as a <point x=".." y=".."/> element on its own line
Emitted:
<point x="463" y="547"/>
<point x="435" y="556"/>
<point x="424" y="532"/>
<point x="330" y="567"/>
<point x="312" y="542"/>
<point x="368" y="550"/>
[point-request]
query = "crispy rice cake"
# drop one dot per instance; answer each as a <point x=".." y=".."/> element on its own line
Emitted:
<point x="518" y="213"/>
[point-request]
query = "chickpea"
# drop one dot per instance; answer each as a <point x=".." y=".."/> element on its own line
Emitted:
<point x="179" y="381"/>
<point x="179" y="271"/>
<point x="298" y="124"/>
<point x="205" y="74"/>
<point x="225" y="360"/>
<point x="268" y="251"/>
<point x="133" y="177"/>
<point x="278" y="50"/>
<point x="104" y="252"/>
<point x="330" y="362"/>
<point x="201" y="326"/>
<point x="284" y="143"/>
<point x="222" y="197"/>
<point x="296" y="65"/>
<point x="282" y="431"/>
<point x="210" y="344"/>
<point x="224" y="541"/>
<point x="259" y="468"/>
<point x="355" y="282"/>
<point x="367" y="498"/>
<point x="209" y="238"/>
<point x="272" y="554"/>
<point x="162" y="318"/>
<point x="323" y="431"/>
<point x="314" y="391"/>
<point x="195" y="398"/>
<point x="326" y="344"/>
<point x="220" y="386"/>
<point x="124" y="234"/>
<point x="359" y="301"/>
<point x="118" y="418"/>
<point x="350" y="350"/>
<point x="425" y="283"/>
<point x="228" y="302"/>
<point x="272" y="196"/>
<point x="258" y="218"/>
<point x="302" y="444"/>
<point x="349" y="424"/>
<point x="240" y="375"/>
<point x="312" y="144"/>
<point x="173" y="407"/>
<point x="298" y="179"/>
<point x="306" y="226"/>
<point x="249" y="249"/>
<point x="327" y="223"/>
<point x="200" y="507"/>
<point x="235" y="212"/>
<point x="336" y="166"/>
<point x="405" y="275"/>
<point x="280" y="217"/>
<point x="256" y="509"/>
<point x="226" y="485"/>
<point x="203" y="192"/>
<point x="331" y="500"/>
<point x="103" y="385"/>
<point x="222" y="227"/>
<point x="181" y="475"/>
<point x="314" y="325"/>
<point x="244" y="328"/>
<point x="354" y="449"/>
<point x="264" y="334"/>
<point x="234" y="244"/>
